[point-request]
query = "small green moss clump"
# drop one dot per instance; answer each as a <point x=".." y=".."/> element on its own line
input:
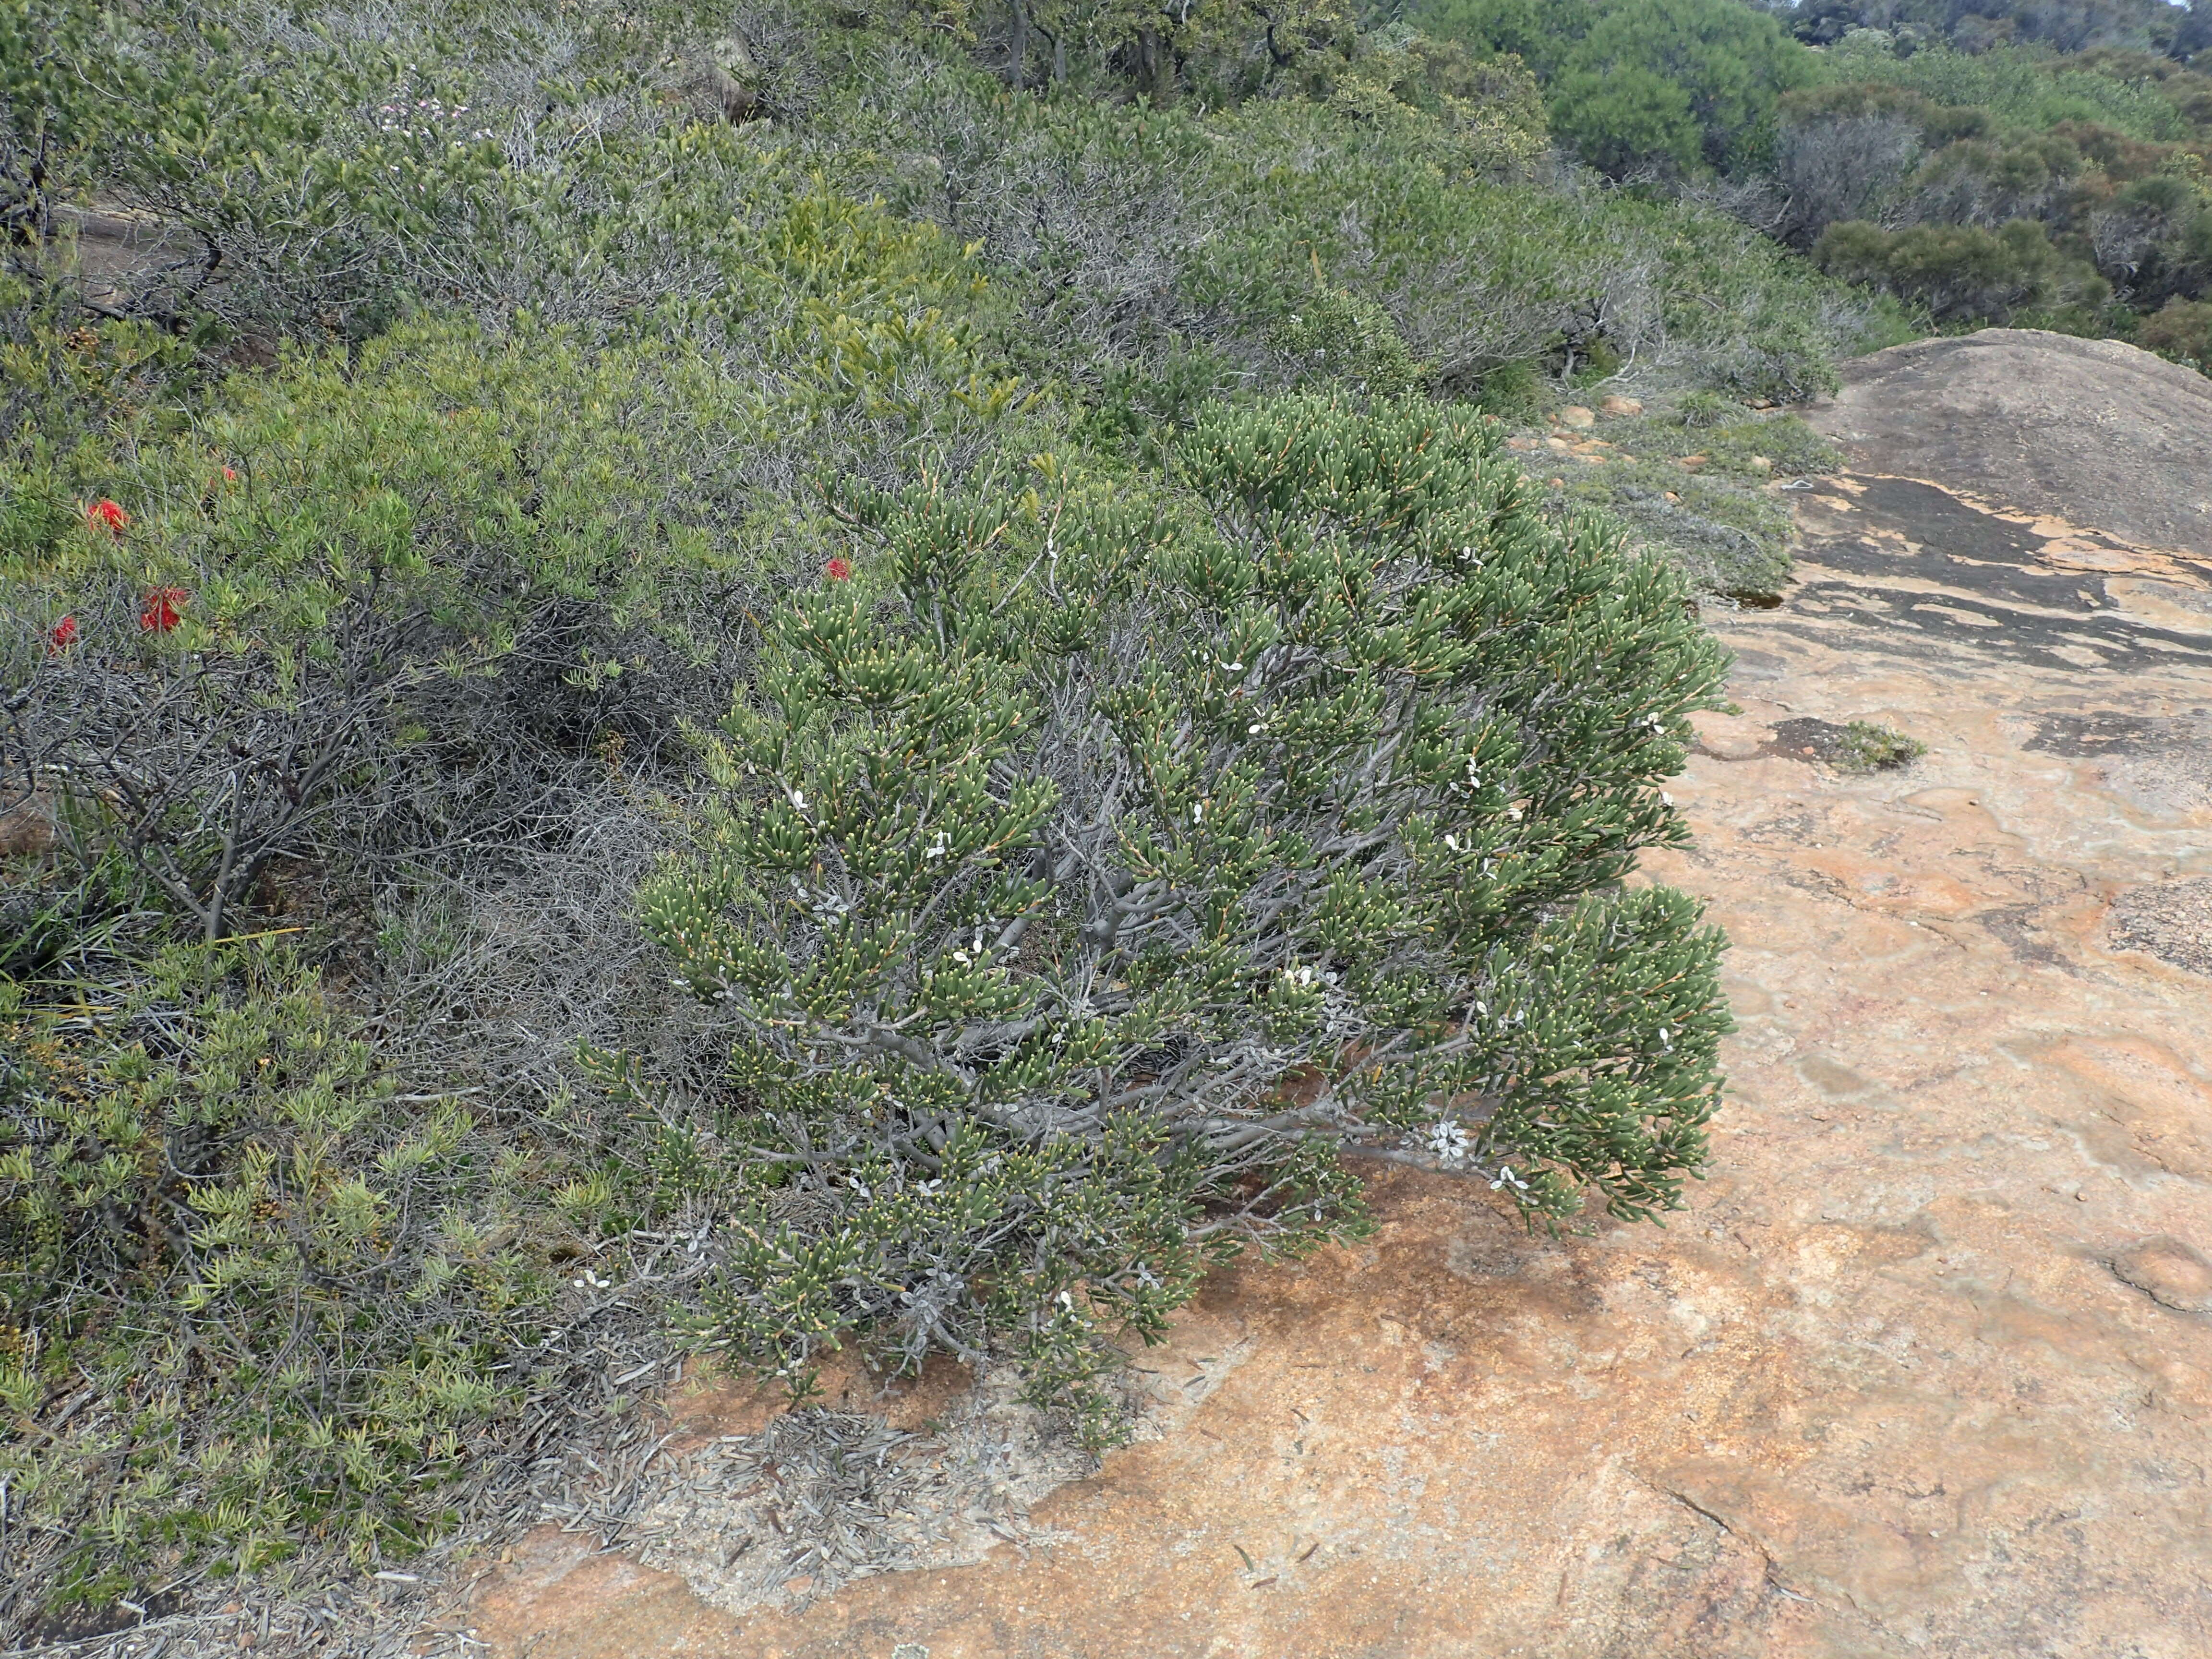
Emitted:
<point x="1868" y="747"/>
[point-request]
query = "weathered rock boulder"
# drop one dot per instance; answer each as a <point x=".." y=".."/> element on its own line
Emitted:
<point x="2093" y="431"/>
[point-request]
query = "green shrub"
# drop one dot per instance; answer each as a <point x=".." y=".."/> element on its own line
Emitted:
<point x="1718" y="521"/>
<point x="1686" y="85"/>
<point x="512" y="414"/>
<point x="1343" y="338"/>
<point x="1962" y="274"/>
<point x="2181" y="330"/>
<point x="1696" y="80"/>
<point x="46" y="112"/>
<point x="1726" y="535"/>
<point x="1089" y="881"/>
<point x="2019" y="87"/>
<point x="381" y="568"/>
<point x="1699" y="410"/>
<point x="250" y="1295"/>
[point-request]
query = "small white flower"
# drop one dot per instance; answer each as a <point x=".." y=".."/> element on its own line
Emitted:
<point x="1666" y="798"/>
<point x="937" y="849"/>
<point x="1452" y="841"/>
<point x="1197" y="811"/>
<point x="1514" y="813"/>
<point x="1253" y="730"/>
<point x="799" y="801"/>
<point x="1234" y="667"/>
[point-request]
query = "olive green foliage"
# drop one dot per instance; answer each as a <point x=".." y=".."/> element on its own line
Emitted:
<point x="60" y="382"/>
<point x="1692" y="82"/>
<point x="276" y="1299"/>
<point x="1175" y="245"/>
<point x="1963" y="273"/>
<point x="1687" y="84"/>
<point x="1087" y="878"/>
<point x="1344" y="338"/>
<point x="2140" y="26"/>
<point x="1995" y="184"/>
<point x="46" y="109"/>
<point x="2066" y="193"/>
<point x="1479" y="274"/>
<point x="2182" y="330"/>
<point x="444" y="593"/>
<point x="2018" y="87"/>
<point x="399" y="562"/>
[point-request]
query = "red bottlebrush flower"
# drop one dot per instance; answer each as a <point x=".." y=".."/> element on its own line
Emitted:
<point x="159" y="614"/>
<point x="104" y="515"/>
<point x="230" y="475"/>
<point x="839" y="570"/>
<point x="62" y="635"/>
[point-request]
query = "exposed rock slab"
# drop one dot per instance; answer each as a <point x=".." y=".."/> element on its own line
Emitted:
<point x="2093" y="430"/>
<point x="1926" y="1369"/>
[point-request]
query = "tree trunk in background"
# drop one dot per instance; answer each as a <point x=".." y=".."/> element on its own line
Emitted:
<point x="1154" y="73"/>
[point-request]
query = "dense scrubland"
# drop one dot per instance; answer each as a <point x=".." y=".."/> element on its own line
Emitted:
<point x="2038" y="165"/>
<point x="676" y="678"/>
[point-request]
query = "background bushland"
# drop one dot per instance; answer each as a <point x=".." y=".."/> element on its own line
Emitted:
<point x="2044" y="166"/>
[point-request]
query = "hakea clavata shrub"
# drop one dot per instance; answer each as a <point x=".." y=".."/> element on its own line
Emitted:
<point x="1094" y="886"/>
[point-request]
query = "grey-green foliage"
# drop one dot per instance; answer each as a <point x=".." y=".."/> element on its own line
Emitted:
<point x="475" y="171"/>
<point x="1718" y="519"/>
<point x="1132" y="235"/>
<point x="1336" y="335"/>
<point x="1088" y="880"/>
<point x="2022" y="86"/>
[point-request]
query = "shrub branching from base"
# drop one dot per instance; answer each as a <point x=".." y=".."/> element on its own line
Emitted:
<point x="1089" y="881"/>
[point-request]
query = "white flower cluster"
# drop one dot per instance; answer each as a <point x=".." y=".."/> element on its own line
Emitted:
<point x="430" y="112"/>
<point x="825" y="903"/>
<point x="1449" y="1143"/>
